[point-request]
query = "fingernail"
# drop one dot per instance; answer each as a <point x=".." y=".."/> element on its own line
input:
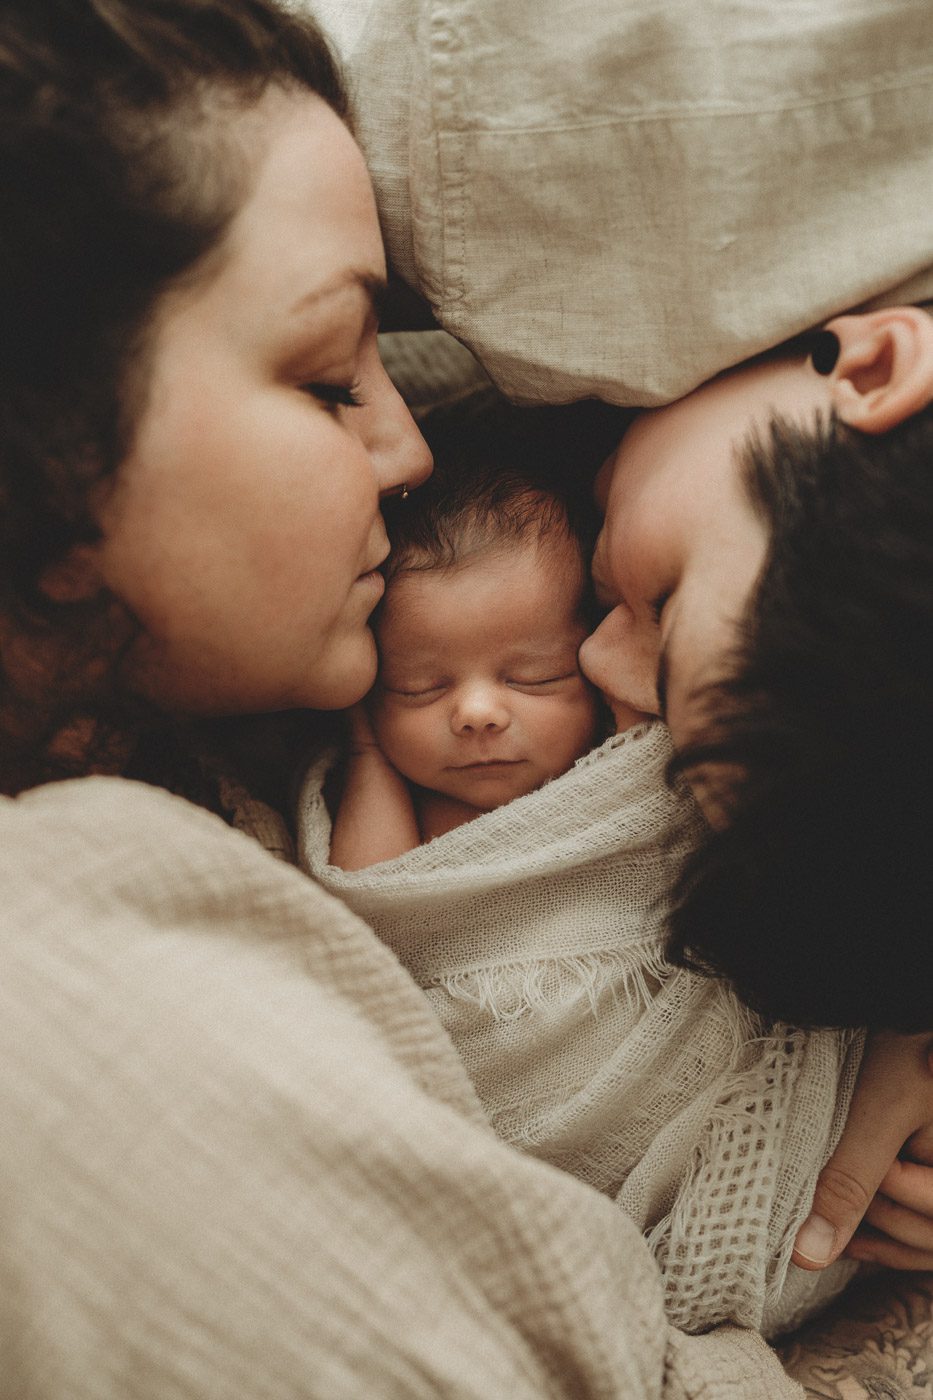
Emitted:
<point x="815" y="1240"/>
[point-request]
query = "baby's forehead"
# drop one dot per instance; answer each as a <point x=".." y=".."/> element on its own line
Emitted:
<point x="546" y="546"/>
<point x="552" y="556"/>
<point x="520" y="595"/>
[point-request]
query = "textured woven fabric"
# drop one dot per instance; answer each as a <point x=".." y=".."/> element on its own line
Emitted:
<point x="623" y="199"/>
<point x="241" y="1161"/>
<point x="536" y="933"/>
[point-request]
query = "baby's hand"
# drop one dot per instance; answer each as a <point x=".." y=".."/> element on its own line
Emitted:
<point x="375" y="818"/>
<point x="362" y="736"/>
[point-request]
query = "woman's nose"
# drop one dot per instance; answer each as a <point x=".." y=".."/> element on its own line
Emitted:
<point x="621" y="660"/>
<point x="399" y="454"/>
<point x="479" y="709"/>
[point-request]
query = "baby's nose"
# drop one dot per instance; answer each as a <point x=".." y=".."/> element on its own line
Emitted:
<point x="479" y="709"/>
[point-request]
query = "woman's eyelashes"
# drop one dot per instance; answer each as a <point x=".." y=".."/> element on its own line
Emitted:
<point x="334" y="395"/>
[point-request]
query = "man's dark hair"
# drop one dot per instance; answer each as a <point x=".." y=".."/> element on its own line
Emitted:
<point x="120" y="172"/>
<point x="501" y="473"/>
<point x="816" y="898"/>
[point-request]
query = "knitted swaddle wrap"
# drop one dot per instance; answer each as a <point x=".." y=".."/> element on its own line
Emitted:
<point x="536" y="932"/>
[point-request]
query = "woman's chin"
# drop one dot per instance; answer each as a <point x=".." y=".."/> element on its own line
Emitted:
<point x="338" y="686"/>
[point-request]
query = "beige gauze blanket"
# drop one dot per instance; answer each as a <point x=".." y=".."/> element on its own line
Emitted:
<point x="536" y="933"/>
<point x="240" y="1159"/>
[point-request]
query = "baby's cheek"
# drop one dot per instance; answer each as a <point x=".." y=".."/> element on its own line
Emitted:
<point x="570" y="726"/>
<point x="399" y="732"/>
<point x="584" y="722"/>
<point x="592" y="718"/>
<point x="382" y="713"/>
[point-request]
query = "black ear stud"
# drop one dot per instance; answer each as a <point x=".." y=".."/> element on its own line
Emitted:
<point x="824" y="351"/>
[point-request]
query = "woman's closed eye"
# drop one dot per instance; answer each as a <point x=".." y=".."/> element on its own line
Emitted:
<point x="334" y="395"/>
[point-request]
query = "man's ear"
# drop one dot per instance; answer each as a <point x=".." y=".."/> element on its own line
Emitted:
<point x="884" y="373"/>
<point x="73" y="579"/>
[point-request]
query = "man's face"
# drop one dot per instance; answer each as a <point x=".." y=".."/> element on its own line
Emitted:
<point x="682" y="546"/>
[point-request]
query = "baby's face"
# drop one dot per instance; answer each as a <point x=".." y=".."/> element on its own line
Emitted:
<point x="480" y="696"/>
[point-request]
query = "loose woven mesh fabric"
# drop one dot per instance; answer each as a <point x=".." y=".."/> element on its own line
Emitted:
<point x="536" y="932"/>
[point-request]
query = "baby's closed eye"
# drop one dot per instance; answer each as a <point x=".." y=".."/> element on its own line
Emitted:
<point x="543" y="683"/>
<point x="418" y="691"/>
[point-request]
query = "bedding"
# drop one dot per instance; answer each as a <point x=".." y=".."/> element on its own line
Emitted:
<point x="623" y="200"/>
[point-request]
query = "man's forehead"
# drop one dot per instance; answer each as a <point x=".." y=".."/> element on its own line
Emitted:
<point x="601" y="571"/>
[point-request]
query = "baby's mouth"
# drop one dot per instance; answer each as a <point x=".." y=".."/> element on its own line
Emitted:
<point x="490" y="763"/>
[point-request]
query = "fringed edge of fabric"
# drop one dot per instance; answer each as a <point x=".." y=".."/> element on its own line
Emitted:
<point x="511" y="990"/>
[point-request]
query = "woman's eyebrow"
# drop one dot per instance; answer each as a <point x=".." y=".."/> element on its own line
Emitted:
<point x="373" y="286"/>
<point x="376" y="289"/>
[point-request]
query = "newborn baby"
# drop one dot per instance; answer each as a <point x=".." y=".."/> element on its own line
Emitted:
<point x="479" y="698"/>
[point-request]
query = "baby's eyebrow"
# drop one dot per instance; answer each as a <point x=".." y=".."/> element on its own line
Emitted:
<point x="546" y="649"/>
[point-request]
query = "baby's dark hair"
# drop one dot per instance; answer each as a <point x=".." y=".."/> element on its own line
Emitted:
<point x="501" y="474"/>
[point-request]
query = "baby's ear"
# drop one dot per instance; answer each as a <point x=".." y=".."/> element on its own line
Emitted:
<point x="884" y="372"/>
<point x="74" y="578"/>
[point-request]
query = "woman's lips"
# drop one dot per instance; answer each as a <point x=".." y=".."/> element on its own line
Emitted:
<point x="379" y="560"/>
<point x="374" y="580"/>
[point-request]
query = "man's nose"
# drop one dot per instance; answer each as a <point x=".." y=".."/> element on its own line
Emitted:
<point x="621" y="660"/>
<point x="479" y="709"/>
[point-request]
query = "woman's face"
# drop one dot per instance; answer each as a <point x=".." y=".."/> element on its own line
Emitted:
<point x="682" y="547"/>
<point x="243" y="529"/>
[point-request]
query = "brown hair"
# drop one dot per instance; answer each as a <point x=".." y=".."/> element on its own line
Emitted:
<point x="120" y="174"/>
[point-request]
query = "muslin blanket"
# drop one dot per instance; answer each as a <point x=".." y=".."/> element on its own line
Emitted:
<point x="240" y="1157"/>
<point x="536" y="933"/>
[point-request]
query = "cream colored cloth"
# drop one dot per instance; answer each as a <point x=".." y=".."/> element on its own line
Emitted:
<point x="536" y="931"/>
<point x="622" y="199"/>
<point x="240" y="1159"/>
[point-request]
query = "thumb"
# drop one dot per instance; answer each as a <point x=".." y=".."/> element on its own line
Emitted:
<point x="891" y="1101"/>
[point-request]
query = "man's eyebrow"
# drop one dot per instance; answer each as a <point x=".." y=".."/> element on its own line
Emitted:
<point x="373" y="286"/>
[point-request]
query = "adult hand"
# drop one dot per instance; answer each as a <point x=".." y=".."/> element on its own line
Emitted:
<point x="882" y="1170"/>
